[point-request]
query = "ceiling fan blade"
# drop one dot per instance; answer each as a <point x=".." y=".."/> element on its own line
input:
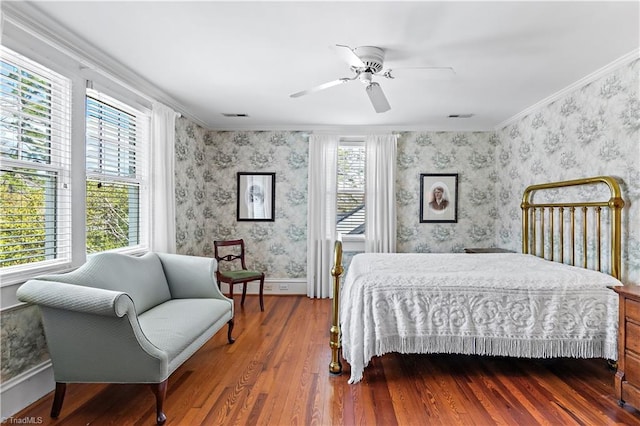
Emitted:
<point x="377" y="98"/>
<point x="320" y="87"/>
<point x="349" y="56"/>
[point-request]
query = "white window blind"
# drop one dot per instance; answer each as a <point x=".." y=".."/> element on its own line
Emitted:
<point x="351" y="189"/>
<point x="116" y="139"/>
<point x="35" y="215"/>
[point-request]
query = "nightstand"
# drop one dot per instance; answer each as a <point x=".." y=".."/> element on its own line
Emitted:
<point x="627" y="379"/>
<point x="487" y="250"/>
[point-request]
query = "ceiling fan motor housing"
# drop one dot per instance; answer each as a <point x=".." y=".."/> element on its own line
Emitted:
<point x="373" y="57"/>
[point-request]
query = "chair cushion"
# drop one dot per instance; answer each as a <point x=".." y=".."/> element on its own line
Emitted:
<point x="175" y="324"/>
<point x="241" y="274"/>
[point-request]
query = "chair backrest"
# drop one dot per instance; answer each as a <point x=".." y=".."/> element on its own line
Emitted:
<point x="233" y="251"/>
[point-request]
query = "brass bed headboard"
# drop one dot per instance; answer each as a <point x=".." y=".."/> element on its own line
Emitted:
<point x="535" y="236"/>
<point x="543" y="225"/>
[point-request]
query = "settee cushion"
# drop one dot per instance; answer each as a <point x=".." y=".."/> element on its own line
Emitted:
<point x="175" y="324"/>
<point x="142" y="278"/>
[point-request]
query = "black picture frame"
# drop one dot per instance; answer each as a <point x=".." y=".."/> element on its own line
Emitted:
<point x="432" y="211"/>
<point x="256" y="197"/>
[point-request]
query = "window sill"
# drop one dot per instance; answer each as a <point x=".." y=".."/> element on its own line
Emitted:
<point x="352" y="237"/>
<point x="130" y="251"/>
<point x="22" y="275"/>
<point x="19" y="275"/>
<point x="352" y="242"/>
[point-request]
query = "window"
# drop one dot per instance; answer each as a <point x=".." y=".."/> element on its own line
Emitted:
<point x="351" y="190"/>
<point x="116" y="174"/>
<point x="35" y="219"/>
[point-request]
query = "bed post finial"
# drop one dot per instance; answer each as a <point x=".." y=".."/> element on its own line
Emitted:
<point x="335" y="367"/>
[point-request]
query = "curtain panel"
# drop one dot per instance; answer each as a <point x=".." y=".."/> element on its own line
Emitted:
<point x="162" y="194"/>
<point x="380" y="190"/>
<point x="321" y="218"/>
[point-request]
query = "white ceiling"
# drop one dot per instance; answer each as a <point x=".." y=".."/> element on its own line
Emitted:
<point x="215" y="57"/>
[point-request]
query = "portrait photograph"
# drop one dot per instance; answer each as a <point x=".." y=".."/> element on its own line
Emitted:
<point x="438" y="198"/>
<point x="256" y="196"/>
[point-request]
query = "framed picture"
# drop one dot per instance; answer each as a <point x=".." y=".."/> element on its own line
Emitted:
<point x="438" y="198"/>
<point x="256" y="196"/>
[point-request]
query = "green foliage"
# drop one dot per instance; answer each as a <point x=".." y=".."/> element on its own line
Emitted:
<point x="22" y="218"/>
<point x="25" y="137"/>
<point x="112" y="219"/>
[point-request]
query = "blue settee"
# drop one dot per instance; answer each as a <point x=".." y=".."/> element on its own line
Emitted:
<point x="126" y="319"/>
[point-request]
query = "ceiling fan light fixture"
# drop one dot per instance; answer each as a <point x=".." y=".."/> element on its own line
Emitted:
<point x="365" y="77"/>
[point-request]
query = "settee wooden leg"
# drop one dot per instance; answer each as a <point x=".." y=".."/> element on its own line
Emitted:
<point x="58" y="399"/>
<point x="160" y="391"/>
<point x="231" y="339"/>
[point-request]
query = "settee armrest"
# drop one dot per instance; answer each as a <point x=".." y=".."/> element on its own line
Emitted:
<point x="191" y="276"/>
<point x="76" y="298"/>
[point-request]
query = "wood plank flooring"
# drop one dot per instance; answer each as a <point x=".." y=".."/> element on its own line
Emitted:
<point x="277" y="374"/>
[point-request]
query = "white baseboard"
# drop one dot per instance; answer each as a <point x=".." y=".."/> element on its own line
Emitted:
<point x="19" y="392"/>
<point x="276" y="286"/>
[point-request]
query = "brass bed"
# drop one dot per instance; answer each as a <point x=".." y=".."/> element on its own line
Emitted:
<point x="583" y="234"/>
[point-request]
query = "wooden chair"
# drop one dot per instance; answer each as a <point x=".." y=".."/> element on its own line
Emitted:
<point x="235" y="276"/>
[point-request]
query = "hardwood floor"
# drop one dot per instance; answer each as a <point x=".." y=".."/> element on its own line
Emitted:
<point x="277" y="374"/>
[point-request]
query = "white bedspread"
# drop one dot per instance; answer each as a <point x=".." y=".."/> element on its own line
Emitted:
<point x="487" y="304"/>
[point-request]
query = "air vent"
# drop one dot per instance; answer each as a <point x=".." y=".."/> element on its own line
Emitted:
<point x="460" y="115"/>
<point x="233" y="115"/>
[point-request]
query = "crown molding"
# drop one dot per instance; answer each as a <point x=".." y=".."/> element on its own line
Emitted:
<point x="34" y="22"/>
<point x="354" y="129"/>
<point x="623" y="60"/>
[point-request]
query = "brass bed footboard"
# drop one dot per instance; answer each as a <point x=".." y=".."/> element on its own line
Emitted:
<point x="546" y="233"/>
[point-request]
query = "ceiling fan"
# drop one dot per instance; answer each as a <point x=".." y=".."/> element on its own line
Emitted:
<point x="366" y="62"/>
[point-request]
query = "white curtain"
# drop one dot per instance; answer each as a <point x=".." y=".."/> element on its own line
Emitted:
<point x="162" y="181"/>
<point x="321" y="218"/>
<point x="380" y="190"/>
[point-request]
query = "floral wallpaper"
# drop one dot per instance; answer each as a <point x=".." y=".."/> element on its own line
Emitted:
<point x="207" y="163"/>
<point x="22" y="341"/>
<point x="472" y="156"/>
<point x="592" y="131"/>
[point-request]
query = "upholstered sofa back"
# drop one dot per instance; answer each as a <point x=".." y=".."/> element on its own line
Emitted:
<point x="142" y="278"/>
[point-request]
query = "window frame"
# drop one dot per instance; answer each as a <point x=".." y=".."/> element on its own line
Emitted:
<point x="59" y="165"/>
<point x="52" y="57"/>
<point x="141" y="178"/>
